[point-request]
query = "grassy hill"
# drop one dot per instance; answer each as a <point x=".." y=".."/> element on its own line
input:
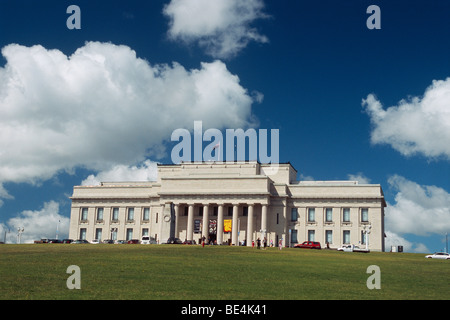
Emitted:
<point x="177" y="272"/>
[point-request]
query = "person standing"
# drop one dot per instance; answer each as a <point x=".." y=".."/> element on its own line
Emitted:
<point x="258" y="243"/>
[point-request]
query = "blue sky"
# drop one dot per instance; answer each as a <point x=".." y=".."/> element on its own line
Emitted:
<point x="350" y="103"/>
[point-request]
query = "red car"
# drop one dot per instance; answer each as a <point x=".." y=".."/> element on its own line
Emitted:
<point x="309" y="245"/>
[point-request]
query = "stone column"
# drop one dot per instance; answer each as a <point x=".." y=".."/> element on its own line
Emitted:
<point x="250" y="225"/>
<point x="220" y="224"/>
<point x="264" y="221"/>
<point x="205" y="228"/>
<point x="177" y="216"/>
<point x="234" y="227"/>
<point x="190" y="223"/>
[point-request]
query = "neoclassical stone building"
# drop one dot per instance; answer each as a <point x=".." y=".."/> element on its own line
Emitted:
<point x="231" y="203"/>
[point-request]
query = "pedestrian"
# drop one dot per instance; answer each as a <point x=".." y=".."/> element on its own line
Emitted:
<point x="280" y="244"/>
<point x="253" y="243"/>
<point x="258" y="243"/>
<point x="265" y="243"/>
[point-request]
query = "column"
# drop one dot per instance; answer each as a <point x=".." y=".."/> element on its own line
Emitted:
<point x="177" y="215"/>
<point x="264" y="221"/>
<point x="160" y="221"/>
<point x="190" y="223"/>
<point x="250" y="225"/>
<point x="234" y="227"/>
<point x="285" y="234"/>
<point x="205" y="229"/>
<point x="220" y="224"/>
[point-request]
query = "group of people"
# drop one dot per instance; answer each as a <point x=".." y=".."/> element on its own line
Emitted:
<point x="258" y="243"/>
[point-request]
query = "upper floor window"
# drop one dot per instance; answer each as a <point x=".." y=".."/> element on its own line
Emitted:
<point x="115" y="214"/>
<point x="99" y="214"/>
<point x="346" y="215"/>
<point x="84" y="214"/>
<point x="311" y="215"/>
<point x="364" y="215"/>
<point x="130" y="214"/>
<point x="146" y="214"/>
<point x="328" y="214"/>
<point x="294" y="214"/>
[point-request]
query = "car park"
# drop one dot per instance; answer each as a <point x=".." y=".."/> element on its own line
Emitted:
<point x="308" y="245"/>
<point x="439" y="255"/>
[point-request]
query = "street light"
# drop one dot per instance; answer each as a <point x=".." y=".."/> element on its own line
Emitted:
<point x="20" y="230"/>
<point x="366" y="231"/>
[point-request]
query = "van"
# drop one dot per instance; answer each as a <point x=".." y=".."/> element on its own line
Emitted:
<point x="147" y="240"/>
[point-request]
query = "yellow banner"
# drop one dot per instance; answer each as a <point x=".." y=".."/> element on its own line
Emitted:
<point x="227" y="225"/>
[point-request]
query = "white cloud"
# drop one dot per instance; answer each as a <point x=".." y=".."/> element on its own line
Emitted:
<point x="393" y="239"/>
<point x="39" y="224"/>
<point x="417" y="125"/>
<point x="222" y="27"/>
<point x="360" y="177"/>
<point x="4" y="194"/>
<point x="419" y="210"/>
<point x="102" y="106"/>
<point x="148" y="171"/>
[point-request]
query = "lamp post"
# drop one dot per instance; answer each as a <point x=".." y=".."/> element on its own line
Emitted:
<point x="366" y="231"/>
<point x="20" y="230"/>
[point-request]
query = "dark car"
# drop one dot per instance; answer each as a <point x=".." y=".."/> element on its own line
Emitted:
<point x="173" y="240"/>
<point x="308" y="245"/>
<point x="133" y="241"/>
<point x="189" y="242"/>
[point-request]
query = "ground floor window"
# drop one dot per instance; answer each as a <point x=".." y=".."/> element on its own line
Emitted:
<point x="129" y="234"/>
<point x="294" y="236"/>
<point x="83" y="233"/>
<point x="328" y="236"/>
<point x="311" y="235"/>
<point x="98" y="234"/>
<point x="346" y="236"/>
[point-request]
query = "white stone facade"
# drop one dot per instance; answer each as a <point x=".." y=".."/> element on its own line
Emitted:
<point x="195" y="200"/>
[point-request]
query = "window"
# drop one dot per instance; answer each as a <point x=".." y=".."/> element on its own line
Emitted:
<point x="146" y="215"/>
<point x="311" y="215"/>
<point x="83" y="233"/>
<point x="294" y="214"/>
<point x="98" y="234"/>
<point x="84" y="214"/>
<point x="245" y="211"/>
<point x="278" y="218"/>
<point x="200" y="211"/>
<point x="230" y="211"/>
<point x="346" y="215"/>
<point x="115" y="214"/>
<point x="294" y="236"/>
<point x="145" y="232"/>
<point x="328" y="215"/>
<point x="99" y="214"/>
<point x="130" y="214"/>
<point x="346" y="236"/>
<point x="364" y="215"/>
<point x="215" y="211"/>
<point x="328" y="236"/>
<point x="311" y="235"/>
<point x="129" y="234"/>
<point x="363" y="237"/>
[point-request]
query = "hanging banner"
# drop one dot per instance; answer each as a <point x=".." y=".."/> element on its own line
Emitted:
<point x="197" y="225"/>
<point x="227" y="225"/>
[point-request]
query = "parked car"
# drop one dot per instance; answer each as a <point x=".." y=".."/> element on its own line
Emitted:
<point x="173" y="240"/>
<point x="109" y="241"/>
<point x="95" y="241"/>
<point x="148" y="240"/>
<point x="309" y="245"/>
<point x="189" y="242"/>
<point x="439" y="255"/>
<point x="79" y="241"/>
<point x="120" y="241"/>
<point x="133" y="241"/>
<point x="67" y="240"/>
<point x="351" y="248"/>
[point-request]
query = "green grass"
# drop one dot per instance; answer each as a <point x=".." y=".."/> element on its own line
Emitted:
<point x="191" y="272"/>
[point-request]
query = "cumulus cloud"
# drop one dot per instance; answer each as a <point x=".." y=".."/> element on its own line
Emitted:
<point x="419" y="210"/>
<point x="416" y="125"/>
<point x="221" y="27"/>
<point x="393" y="239"/>
<point x="103" y="106"/>
<point x="148" y="171"/>
<point x="38" y="224"/>
<point x="360" y="177"/>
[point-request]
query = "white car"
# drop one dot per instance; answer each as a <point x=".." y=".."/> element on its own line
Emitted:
<point x="148" y="240"/>
<point x="439" y="255"/>
<point x="95" y="241"/>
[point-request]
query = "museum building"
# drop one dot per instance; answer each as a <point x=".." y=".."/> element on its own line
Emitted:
<point x="231" y="203"/>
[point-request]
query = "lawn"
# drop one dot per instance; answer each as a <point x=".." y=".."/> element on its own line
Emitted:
<point x="176" y="272"/>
